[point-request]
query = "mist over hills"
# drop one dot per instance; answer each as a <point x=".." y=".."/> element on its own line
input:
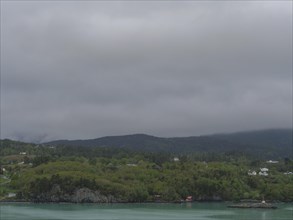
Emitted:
<point x="271" y="143"/>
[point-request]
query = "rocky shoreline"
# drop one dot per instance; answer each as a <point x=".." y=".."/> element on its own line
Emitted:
<point x="83" y="195"/>
<point x="86" y="195"/>
<point x="253" y="205"/>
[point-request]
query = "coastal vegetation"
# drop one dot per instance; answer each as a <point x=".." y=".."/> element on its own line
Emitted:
<point x="46" y="173"/>
<point x="144" y="180"/>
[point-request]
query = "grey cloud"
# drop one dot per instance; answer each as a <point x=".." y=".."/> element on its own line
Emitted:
<point x="88" y="69"/>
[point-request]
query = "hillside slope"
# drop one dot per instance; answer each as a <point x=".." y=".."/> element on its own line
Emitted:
<point x="269" y="143"/>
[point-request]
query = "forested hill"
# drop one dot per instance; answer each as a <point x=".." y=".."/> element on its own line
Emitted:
<point x="267" y="143"/>
<point x="142" y="168"/>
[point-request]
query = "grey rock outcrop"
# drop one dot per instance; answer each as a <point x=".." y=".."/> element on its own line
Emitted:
<point x="87" y="195"/>
<point x="82" y="195"/>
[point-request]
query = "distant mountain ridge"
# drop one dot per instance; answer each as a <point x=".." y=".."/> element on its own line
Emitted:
<point x="270" y="143"/>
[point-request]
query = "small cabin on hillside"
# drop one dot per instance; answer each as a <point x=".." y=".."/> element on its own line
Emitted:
<point x="272" y="161"/>
<point x="264" y="169"/>
<point x="176" y="159"/>
<point x="252" y="173"/>
<point x="263" y="173"/>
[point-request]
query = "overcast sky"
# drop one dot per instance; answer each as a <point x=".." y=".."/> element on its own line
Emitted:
<point x="77" y="70"/>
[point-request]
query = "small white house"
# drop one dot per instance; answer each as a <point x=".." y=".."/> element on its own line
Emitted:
<point x="263" y="173"/>
<point x="176" y="159"/>
<point x="272" y="161"/>
<point x="264" y="169"/>
<point x="251" y="173"/>
<point x="131" y="165"/>
<point x="288" y="173"/>
<point x="22" y="153"/>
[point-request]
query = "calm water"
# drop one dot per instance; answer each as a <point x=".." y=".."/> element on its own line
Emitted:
<point x="192" y="211"/>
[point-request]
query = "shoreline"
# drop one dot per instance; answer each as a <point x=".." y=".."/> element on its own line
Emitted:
<point x="109" y="203"/>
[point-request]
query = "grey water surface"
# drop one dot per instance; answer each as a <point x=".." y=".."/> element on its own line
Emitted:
<point x="186" y="211"/>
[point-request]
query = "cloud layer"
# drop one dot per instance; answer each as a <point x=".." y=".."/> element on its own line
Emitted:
<point x="90" y="69"/>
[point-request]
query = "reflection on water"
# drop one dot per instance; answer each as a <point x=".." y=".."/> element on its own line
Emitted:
<point x="203" y="211"/>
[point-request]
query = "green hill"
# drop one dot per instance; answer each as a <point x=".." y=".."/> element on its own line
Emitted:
<point x="265" y="143"/>
<point x="143" y="168"/>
